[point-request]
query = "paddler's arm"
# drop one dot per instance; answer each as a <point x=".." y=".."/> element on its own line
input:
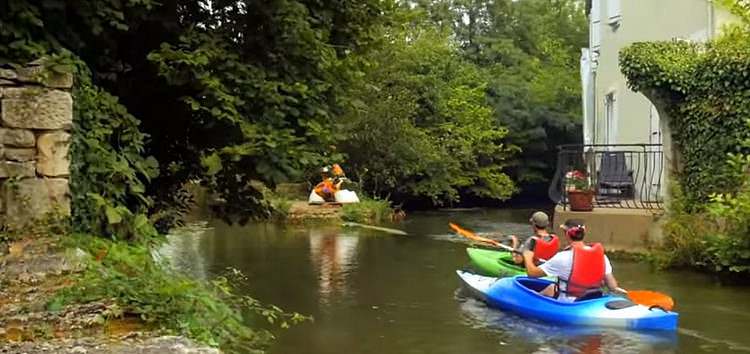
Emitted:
<point x="531" y="269"/>
<point x="612" y="285"/>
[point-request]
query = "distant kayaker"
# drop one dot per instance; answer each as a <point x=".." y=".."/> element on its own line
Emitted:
<point x="581" y="269"/>
<point x="543" y="244"/>
<point x="327" y="188"/>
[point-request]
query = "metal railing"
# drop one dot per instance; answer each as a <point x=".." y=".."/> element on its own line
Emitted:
<point x="621" y="175"/>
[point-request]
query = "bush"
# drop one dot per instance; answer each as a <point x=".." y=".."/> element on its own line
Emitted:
<point x="717" y="239"/>
<point x="367" y="211"/>
<point x="211" y="312"/>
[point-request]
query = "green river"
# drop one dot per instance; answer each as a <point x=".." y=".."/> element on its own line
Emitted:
<point x="372" y="292"/>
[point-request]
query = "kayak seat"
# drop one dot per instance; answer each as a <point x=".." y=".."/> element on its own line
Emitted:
<point x="589" y="296"/>
<point x="533" y="283"/>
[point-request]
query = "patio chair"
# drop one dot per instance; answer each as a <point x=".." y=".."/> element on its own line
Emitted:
<point x="614" y="174"/>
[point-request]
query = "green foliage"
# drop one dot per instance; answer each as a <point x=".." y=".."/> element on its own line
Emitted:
<point x="33" y="29"/>
<point x="210" y="312"/>
<point x="260" y="83"/>
<point x="420" y="125"/>
<point x="367" y="211"/>
<point x="531" y="50"/>
<point x="108" y="167"/>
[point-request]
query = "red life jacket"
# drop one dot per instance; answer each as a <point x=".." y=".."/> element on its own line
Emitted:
<point x="587" y="273"/>
<point x="545" y="249"/>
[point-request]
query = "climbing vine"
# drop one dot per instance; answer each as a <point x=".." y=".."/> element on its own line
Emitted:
<point x="705" y="90"/>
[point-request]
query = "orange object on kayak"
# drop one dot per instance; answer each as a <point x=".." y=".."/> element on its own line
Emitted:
<point x="651" y="298"/>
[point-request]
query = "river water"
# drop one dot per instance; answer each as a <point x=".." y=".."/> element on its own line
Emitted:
<point x="373" y="292"/>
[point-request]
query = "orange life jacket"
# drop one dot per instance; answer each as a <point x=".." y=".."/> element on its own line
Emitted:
<point x="588" y="269"/>
<point x="325" y="188"/>
<point x="545" y="249"/>
<point x="337" y="170"/>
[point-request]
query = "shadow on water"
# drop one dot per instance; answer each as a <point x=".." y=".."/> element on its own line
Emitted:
<point x="372" y="292"/>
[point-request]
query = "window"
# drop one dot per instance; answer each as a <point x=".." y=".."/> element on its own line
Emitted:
<point x="595" y="38"/>
<point x="614" y="12"/>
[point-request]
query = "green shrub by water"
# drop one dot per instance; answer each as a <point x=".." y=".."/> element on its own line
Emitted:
<point x="367" y="211"/>
<point x="210" y="312"/>
<point x="717" y="238"/>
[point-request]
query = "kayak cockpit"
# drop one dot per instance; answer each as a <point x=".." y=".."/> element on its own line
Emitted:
<point x="536" y="285"/>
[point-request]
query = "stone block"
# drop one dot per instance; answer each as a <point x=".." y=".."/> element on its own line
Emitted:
<point x="19" y="154"/>
<point x="8" y="74"/>
<point x="33" y="198"/>
<point x="17" y="137"/>
<point x="17" y="169"/>
<point x="52" y="158"/>
<point x="36" y="108"/>
<point x="37" y="74"/>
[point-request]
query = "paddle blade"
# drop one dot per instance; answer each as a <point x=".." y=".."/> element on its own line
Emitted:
<point x="651" y="298"/>
<point x="472" y="236"/>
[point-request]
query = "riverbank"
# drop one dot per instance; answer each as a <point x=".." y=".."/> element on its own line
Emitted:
<point x="84" y="294"/>
<point x="32" y="320"/>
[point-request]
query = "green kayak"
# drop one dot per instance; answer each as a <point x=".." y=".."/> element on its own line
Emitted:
<point x="494" y="263"/>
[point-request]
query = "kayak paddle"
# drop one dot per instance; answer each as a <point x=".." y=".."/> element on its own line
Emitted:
<point x="649" y="298"/>
<point x="474" y="237"/>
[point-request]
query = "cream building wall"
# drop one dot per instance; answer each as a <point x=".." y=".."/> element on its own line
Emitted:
<point x="612" y="113"/>
<point x="631" y="118"/>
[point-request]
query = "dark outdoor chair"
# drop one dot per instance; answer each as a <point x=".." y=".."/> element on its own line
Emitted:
<point x="614" y="175"/>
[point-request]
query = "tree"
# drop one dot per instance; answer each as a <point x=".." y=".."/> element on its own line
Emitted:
<point x="422" y="126"/>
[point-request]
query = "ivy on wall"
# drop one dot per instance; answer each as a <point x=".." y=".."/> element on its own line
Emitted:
<point x="705" y="89"/>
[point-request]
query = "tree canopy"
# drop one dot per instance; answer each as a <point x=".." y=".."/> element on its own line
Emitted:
<point x="423" y="99"/>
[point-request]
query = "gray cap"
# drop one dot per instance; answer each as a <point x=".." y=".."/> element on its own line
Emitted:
<point x="539" y="219"/>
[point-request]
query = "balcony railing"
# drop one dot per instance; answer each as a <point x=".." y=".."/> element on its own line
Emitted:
<point x="621" y="175"/>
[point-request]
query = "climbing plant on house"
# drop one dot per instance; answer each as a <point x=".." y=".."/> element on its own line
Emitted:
<point x="704" y="88"/>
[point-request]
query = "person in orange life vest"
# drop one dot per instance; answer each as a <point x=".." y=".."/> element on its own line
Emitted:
<point x="326" y="189"/>
<point x="542" y="243"/>
<point x="580" y="268"/>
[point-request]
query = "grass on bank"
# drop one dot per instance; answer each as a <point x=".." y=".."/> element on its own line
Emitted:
<point x="209" y="312"/>
<point x="367" y="211"/>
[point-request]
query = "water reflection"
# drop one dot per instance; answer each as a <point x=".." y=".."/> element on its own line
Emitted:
<point x="334" y="256"/>
<point x="371" y="292"/>
<point x="562" y="339"/>
<point x="184" y="249"/>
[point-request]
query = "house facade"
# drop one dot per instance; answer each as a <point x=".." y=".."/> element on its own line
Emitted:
<point x="626" y="146"/>
<point x="613" y="114"/>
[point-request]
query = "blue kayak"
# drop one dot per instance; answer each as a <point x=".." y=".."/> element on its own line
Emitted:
<point x="520" y="295"/>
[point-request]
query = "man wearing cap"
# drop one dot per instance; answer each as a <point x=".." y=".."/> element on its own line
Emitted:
<point x="543" y="244"/>
<point x="580" y="269"/>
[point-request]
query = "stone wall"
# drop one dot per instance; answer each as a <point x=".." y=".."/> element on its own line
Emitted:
<point x="36" y="117"/>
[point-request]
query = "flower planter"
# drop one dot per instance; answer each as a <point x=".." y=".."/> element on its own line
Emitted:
<point x="581" y="200"/>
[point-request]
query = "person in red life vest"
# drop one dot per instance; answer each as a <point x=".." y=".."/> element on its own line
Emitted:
<point x="581" y="269"/>
<point x="542" y="243"/>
